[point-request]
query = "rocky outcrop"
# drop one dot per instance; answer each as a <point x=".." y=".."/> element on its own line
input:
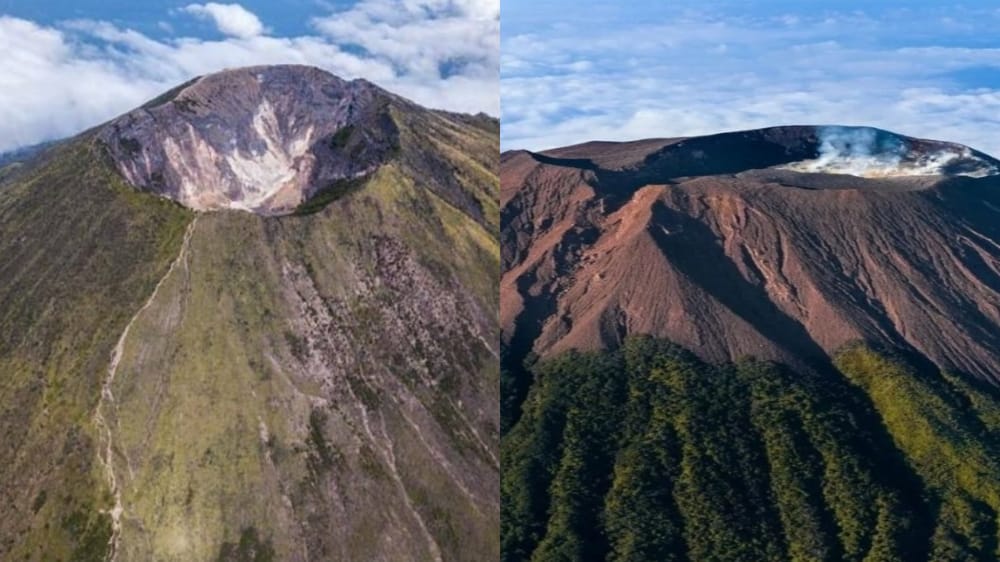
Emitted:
<point x="261" y="139"/>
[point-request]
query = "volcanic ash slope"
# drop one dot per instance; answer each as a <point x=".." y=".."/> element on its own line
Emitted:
<point x="784" y="244"/>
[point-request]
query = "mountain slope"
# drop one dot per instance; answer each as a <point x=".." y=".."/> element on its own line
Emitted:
<point x="647" y="453"/>
<point x="720" y="245"/>
<point x="229" y="385"/>
<point x="81" y="250"/>
<point x="764" y="345"/>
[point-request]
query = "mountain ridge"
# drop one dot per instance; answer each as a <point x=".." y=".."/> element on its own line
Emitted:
<point x="263" y="139"/>
<point x="713" y="245"/>
<point x="715" y="348"/>
<point x="307" y="386"/>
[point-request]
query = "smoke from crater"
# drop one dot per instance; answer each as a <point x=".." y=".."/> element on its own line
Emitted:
<point x="870" y="152"/>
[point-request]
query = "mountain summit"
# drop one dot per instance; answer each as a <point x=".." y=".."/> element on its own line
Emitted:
<point x="184" y="383"/>
<point x="261" y="139"/>
<point x="780" y="344"/>
<point x="783" y="243"/>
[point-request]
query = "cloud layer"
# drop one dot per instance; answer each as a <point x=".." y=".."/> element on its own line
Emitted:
<point x="610" y="74"/>
<point x="231" y="19"/>
<point x="57" y="81"/>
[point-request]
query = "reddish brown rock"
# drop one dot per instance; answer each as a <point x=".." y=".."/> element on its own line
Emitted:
<point x="725" y="246"/>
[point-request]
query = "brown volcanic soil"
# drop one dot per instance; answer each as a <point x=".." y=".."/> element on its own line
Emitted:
<point x="613" y="155"/>
<point x="696" y="242"/>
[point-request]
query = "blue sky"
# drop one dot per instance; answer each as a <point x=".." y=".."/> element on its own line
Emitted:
<point x="573" y="71"/>
<point x="164" y="19"/>
<point x="69" y="65"/>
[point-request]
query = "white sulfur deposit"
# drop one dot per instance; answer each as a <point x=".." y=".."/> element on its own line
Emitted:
<point x="261" y="139"/>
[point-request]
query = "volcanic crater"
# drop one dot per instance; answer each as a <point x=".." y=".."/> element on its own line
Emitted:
<point x="784" y="243"/>
<point x="260" y="139"/>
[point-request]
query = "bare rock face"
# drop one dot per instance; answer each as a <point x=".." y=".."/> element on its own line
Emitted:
<point x="260" y="139"/>
<point x="783" y="244"/>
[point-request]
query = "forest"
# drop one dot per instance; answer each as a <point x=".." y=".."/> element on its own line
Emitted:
<point x="647" y="453"/>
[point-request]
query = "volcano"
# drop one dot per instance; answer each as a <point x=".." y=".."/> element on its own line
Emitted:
<point x="756" y="243"/>
<point x="779" y="344"/>
<point x="254" y="319"/>
<point x="291" y="132"/>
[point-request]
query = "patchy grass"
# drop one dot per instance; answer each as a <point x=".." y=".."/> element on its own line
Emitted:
<point x="215" y="446"/>
<point x="329" y="194"/>
<point x="79" y="252"/>
<point x="250" y="548"/>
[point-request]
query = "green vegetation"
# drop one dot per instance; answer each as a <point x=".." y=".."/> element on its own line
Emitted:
<point x="947" y="429"/>
<point x="229" y="445"/>
<point x="250" y="548"/>
<point x="647" y="453"/>
<point x="341" y="137"/>
<point x="457" y="163"/>
<point x="92" y="533"/>
<point x="80" y="251"/>
<point x="326" y="456"/>
<point x="288" y="370"/>
<point x="515" y="382"/>
<point x="329" y="194"/>
<point x="8" y="169"/>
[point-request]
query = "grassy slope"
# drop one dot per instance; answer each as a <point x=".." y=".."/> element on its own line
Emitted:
<point x="317" y="380"/>
<point x="79" y="252"/>
<point x="301" y="387"/>
<point x="225" y="352"/>
<point x="647" y="453"/>
<point x="947" y="427"/>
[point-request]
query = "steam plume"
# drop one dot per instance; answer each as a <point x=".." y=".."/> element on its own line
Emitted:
<point x="869" y="152"/>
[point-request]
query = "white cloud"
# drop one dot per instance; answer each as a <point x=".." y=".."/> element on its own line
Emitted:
<point x="231" y="19"/>
<point x="427" y="37"/>
<point x="58" y="81"/>
<point x="670" y="78"/>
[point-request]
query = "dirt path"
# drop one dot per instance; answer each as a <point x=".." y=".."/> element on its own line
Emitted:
<point x="106" y="452"/>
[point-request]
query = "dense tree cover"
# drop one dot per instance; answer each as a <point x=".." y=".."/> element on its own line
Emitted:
<point x="515" y="382"/>
<point x="647" y="453"/>
<point x="511" y="394"/>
